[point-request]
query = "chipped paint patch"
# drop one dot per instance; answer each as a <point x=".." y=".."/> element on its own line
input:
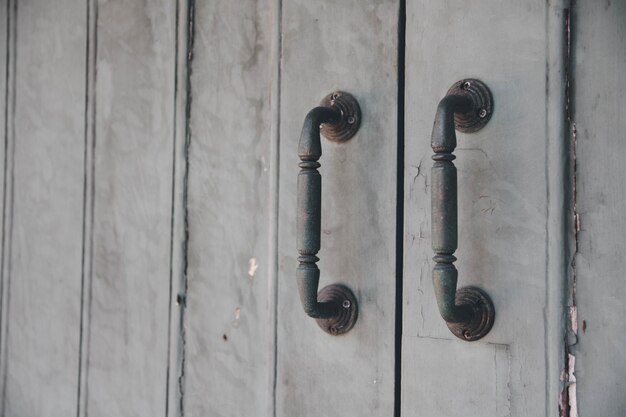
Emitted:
<point x="568" y="406"/>
<point x="252" y="267"/>
<point x="573" y="317"/>
<point x="572" y="405"/>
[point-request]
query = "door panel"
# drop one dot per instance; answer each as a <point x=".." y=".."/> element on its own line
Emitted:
<point x="44" y="202"/>
<point x="511" y="232"/>
<point x="149" y="208"/>
<point x="599" y="106"/>
<point x="350" y="46"/>
<point x="132" y="209"/>
<point x="228" y="322"/>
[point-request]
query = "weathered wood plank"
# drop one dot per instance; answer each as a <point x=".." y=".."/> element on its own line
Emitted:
<point x="45" y="255"/>
<point x="351" y="46"/>
<point x="510" y="205"/>
<point x="88" y="236"/>
<point x="134" y="136"/>
<point x="228" y="322"/>
<point x="599" y="106"/>
<point x="7" y="52"/>
<point x="182" y="101"/>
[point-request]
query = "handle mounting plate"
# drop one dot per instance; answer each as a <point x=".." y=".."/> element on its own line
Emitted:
<point x="350" y="116"/>
<point x="483" y="315"/>
<point x="482" y="103"/>
<point x="348" y="309"/>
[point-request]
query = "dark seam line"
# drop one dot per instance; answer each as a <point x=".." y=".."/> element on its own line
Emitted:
<point x="84" y="225"/>
<point x="188" y="133"/>
<point x="548" y="198"/>
<point x="400" y="209"/>
<point x="11" y="42"/>
<point x="276" y="180"/>
<point x="88" y="202"/>
<point x="92" y="196"/>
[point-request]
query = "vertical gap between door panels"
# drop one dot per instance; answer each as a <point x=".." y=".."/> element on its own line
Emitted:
<point x="7" y="206"/>
<point x="567" y="398"/>
<point x="400" y="209"/>
<point x="274" y="205"/>
<point x="88" y="206"/>
<point x="182" y="298"/>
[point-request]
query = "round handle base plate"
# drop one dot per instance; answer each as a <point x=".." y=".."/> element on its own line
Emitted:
<point x="483" y="317"/>
<point x="348" y="309"/>
<point x="350" y="116"/>
<point x="482" y="103"/>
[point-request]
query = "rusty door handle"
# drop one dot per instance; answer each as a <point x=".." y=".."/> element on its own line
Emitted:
<point x="468" y="311"/>
<point x="335" y="306"/>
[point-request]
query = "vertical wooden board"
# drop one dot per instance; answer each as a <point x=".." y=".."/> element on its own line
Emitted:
<point x="44" y="279"/>
<point x="487" y="394"/>
<point x="8" y="22"/>
<point x="599" y="98"/>
<point x="510" y="197"/>
<point x="4" y="38"/>
<point x="229" y="331"/>
<point x="128" y="349"/>
<point x="349" y="46"/>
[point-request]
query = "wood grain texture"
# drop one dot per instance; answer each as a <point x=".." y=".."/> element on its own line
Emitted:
<point x="487" y="363"/>
<point x="229" y="327"/>
<point x="46" y="242"/>
<point x="599" y="99"/>
<point x="7" y="60"/>
<point x="134" y="136"/>
<point x="351" y="46"/>
<point x="178" y="283"/>
<point x="510" y="202"/>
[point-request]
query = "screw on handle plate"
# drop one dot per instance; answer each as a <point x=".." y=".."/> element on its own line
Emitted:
<point x="467" y="107"/>
<point x="335" y="306"/>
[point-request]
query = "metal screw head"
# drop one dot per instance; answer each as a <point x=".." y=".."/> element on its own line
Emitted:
<point x="482" y="113"/>
<point x="346" y="304"/>
<point x="351" y="120"/>
<point x="466" y="85"/>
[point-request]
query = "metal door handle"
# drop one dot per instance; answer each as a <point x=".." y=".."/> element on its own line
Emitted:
<point x="468" y="311"/>
<point x="335" y="306"/>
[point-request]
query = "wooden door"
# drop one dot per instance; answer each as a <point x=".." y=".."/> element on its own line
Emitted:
<point x="257" y="70"/>
<point x="537" y="229"/>
<point x="512" y="193"/>
<point x="149" y="208"/>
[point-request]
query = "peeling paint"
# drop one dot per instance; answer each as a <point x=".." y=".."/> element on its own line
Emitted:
<point x="252" y="267"/>
<point x="573" y="316"/>
<point x="568" y="406"/>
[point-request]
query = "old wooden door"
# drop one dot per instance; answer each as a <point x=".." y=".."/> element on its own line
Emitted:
<point x="149" y="208"/>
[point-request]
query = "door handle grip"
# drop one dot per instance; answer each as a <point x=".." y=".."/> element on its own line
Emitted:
<point x="335" y="307"/>
<point x="468" y="311"/>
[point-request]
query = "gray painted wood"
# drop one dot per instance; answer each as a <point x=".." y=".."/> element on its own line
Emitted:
<point x="7" y="50"/>
<point x="88" y="205"/>
<point x="178" y="246"/>
<point x="45" y="252"/>
<point x="258" y="67"/>
<point x="134" y="136"/>
<point x="352" y="46"/>
<point x="228" y="326"/>
<point x="510" y="209"/>
<point x="599" y="68"/>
